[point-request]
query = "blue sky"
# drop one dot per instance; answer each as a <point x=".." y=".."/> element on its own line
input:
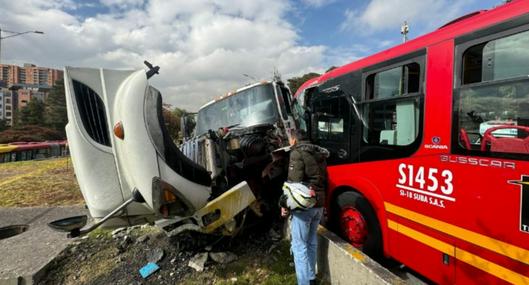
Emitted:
<point x="204" y="46"/>
<point x="323" y="25"/>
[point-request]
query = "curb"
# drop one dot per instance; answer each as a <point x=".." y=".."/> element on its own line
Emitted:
<point x="34" y="277"/>
<point x="341" y="263"/>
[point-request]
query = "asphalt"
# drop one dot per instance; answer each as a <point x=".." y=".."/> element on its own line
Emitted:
<point x="23" y="257"/>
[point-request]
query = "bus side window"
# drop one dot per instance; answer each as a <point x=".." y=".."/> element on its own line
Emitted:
<point x="332" y="117"/>
<point x="390" y="113"/>
<point x="492" y="101"/>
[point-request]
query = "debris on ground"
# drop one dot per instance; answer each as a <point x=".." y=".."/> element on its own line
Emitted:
<point x="155" y="255"/>
<point x="198" y="261"/>
<point x="115" y="257"/>
<point x="223" y="257"/>
<point x="149" y="269"/>
<point x="118" y="231"/>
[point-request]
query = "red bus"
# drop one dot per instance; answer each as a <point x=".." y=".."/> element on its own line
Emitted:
<point x="430" y="150"/>
<point x="21" y="151"/>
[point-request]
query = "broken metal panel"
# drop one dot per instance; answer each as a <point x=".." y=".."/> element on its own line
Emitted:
<point x="223" y="208"/>
<point x="210" y="158"/>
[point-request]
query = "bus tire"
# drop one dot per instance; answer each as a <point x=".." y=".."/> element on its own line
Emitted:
<point x="354" y="219"/>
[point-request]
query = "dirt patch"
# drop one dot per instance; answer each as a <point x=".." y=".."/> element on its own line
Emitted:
<point x="49" y="182"/>
<point x="104" y="259"/>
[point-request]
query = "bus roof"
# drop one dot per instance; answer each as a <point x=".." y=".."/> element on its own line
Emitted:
<point x="458" y="27"/>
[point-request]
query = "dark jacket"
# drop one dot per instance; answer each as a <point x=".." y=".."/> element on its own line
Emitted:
<point x="308" y="164"/>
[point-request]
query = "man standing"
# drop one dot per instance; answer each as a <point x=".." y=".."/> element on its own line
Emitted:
<point x="308" y="166"/>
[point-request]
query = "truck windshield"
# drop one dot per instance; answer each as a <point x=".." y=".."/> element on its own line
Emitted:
<point x="246" y="108"/>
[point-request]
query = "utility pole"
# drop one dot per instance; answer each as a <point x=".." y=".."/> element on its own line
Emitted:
<point x="404" y="30"/>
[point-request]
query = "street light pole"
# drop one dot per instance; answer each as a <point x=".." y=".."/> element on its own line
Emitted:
<point x="249" y="76"/>
<point x="13" y="34"/>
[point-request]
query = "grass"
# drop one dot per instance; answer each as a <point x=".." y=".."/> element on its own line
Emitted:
<point x="275" y="268"/>
<point x="33" y="183"/>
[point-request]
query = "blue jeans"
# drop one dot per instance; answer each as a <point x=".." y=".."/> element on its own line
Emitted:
<point x="304" y="229"/>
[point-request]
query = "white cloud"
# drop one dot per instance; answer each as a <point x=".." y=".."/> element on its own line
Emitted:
<point x="122" y="3"/>
<point x="203" y="46"/>
<point x="385" y="43"/>
<point x="382" y="15"/>
<point x="318" y="3"/>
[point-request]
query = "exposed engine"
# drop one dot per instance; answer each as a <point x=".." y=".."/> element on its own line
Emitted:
<point x="236" y="154"/>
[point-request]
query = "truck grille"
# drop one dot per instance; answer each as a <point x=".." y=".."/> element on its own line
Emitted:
<point x="194" y="150"/>
<point x="92" y="111"/>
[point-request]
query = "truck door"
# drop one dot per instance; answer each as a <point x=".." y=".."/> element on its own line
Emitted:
<point x="284" y="104"/>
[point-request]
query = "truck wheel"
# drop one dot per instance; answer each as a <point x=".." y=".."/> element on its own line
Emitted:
<point x="355" y="221"/>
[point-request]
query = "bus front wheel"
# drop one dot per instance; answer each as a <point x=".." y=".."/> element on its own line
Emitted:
<point x="356" y="221"/>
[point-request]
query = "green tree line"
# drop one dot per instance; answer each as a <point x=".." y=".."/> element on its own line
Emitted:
<point x="39" y="120"/>
<point x="50" y="113"/>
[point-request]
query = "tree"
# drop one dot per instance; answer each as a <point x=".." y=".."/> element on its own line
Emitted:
<point x="32" y="113"/>
<point x="331" y="68"/>
<point x="172" y="122"/>
<point x="3" y="125"/>
<point x="179" y="112"/>
<point x="295" y="82"/>
<point x="55" y="114"/>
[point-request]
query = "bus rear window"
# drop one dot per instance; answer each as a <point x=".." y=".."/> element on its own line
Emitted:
<point x="493" y="100"/>
<point x="499" y="59"/>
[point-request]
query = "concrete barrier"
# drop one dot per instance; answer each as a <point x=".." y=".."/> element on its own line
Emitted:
<point x="341" y="263"/>
<point x="24" y="257"/>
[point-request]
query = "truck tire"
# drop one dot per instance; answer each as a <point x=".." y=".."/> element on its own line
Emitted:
<point x="355" y="221"/>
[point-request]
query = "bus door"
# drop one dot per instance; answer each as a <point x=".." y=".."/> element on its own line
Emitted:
<point x="332" y="125"/>
<point x="490" y="153"/>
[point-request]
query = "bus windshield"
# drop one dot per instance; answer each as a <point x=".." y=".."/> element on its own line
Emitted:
<point x="246" y="108"/>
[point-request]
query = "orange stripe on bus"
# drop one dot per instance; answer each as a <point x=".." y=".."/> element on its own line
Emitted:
<point x="500" y="247"/>
<point x="462" y="255"/>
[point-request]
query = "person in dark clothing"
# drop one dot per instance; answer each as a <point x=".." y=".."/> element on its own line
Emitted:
<point x="308" y="166"/>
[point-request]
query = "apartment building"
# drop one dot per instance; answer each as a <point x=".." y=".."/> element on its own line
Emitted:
<point x="29" y="75"/>
<point x="20" y="84"/>
<point x="26" y="94"/>
<point x="6" y="106"/>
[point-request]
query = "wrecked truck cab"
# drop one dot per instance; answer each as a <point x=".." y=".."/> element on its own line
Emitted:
<point x="235" y="136"/>
<point x="128" y="168"/>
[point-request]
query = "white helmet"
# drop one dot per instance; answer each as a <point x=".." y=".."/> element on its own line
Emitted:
<point x="297" y="195"/>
